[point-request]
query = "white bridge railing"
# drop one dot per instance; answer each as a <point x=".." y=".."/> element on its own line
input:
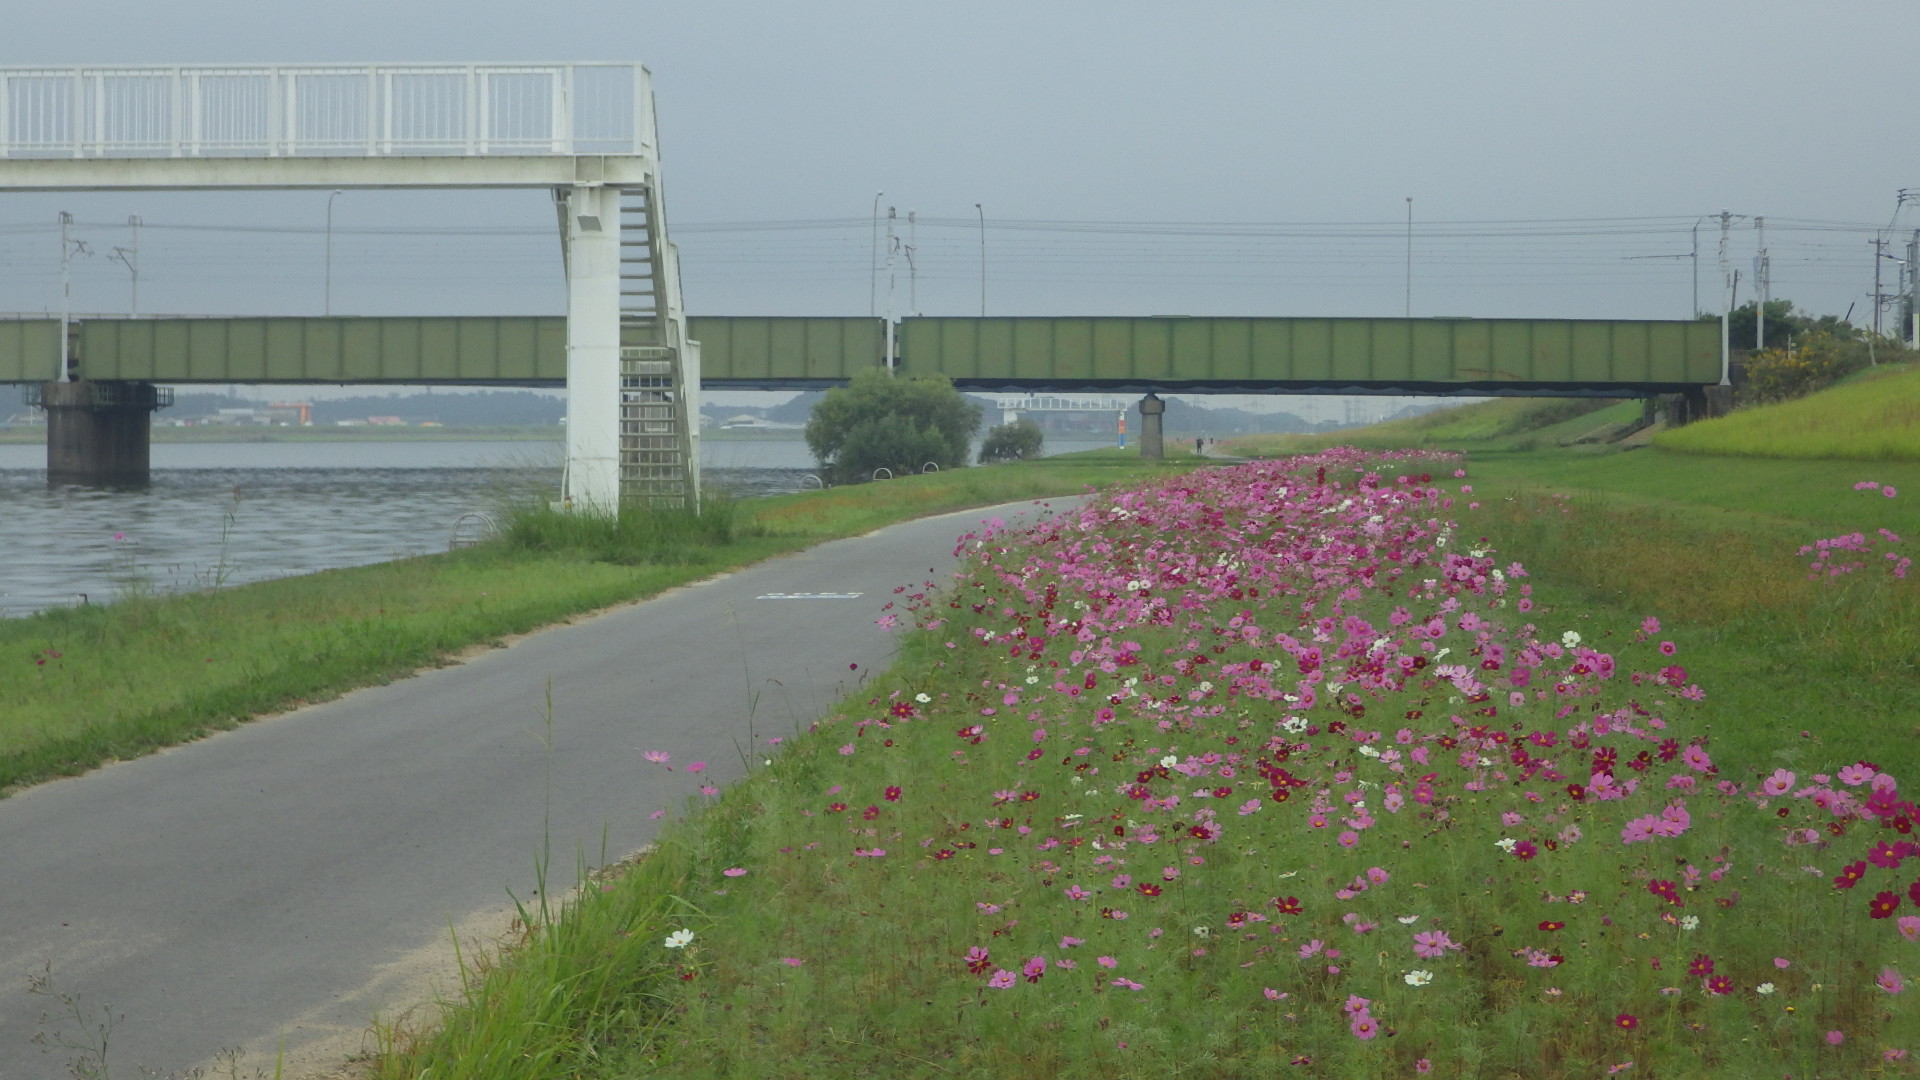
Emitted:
<point x="381" y="110"/>
<point x="1065" y="403"/>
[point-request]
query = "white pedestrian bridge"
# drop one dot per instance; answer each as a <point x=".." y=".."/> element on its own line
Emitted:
<point x="584" y="131"/>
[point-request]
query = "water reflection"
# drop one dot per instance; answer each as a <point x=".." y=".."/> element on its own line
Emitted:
<point x="197" y="528"/>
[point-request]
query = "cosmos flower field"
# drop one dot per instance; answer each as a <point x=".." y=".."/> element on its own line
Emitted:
<point x="1271" y="770"/>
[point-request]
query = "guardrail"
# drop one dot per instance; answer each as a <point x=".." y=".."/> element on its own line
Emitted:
<point x="325" y="110"/>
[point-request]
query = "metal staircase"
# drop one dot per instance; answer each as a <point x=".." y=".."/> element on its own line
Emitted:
<point x="656" y="450"/>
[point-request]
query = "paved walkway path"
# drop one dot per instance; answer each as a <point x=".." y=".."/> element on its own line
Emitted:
<point x="279" y="884"/>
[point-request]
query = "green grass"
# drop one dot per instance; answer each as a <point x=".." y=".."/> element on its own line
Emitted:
<point x="83" y="686"/>
<point x="1502" y="421"/>
<point x="1799" y="674"/>
<point x="1871" y="418"/>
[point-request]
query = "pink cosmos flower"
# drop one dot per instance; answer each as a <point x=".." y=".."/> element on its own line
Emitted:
<point x="1106" y="961"/>
<point x="1779" y="783"/>
<point x="1003" y="979"/>
<point x="735" y="871"/>
<point x="658" y="757"/>
<point x="1070" y="941"/>
<point x="1432" y="943"/>
<point x="1034" y="969"/>
<point x="698" y="766"/>
<point x="1128" y="983"/>
<point x="1890" y="981"/>
<point x="1835" y="1038"/>
<point x="1363" y="1025"/>
<point x="1909" y="927"/>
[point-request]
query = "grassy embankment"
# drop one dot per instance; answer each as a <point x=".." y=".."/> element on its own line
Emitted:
<point x="1873" y="416"/>
<point x="82" y="686"/>
<point x="803" y="965"/>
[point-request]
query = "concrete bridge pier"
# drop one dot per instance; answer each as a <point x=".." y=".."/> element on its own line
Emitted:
<point x="1152" y="446"/>
<point x="100" y="433"/>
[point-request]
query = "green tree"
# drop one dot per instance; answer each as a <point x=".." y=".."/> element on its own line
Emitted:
<point x="1783" y="322"/>
<point x="1017" y="441"/>
<point x="881" y="420"/>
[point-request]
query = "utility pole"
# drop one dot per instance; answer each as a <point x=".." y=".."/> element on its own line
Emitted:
<point x="1761" y="285"/>
<point x="68" y="249"/>
<point x="873" y="260"/>
<point x="893" y="244"/>
<point x="1728" y="285"/>
<point x="1409" y="308"/>
<point x="1913" y="291"/>
<point x="130" y="257"/>
<point x="1879" y="253"/>
<point x="913" y="267"/>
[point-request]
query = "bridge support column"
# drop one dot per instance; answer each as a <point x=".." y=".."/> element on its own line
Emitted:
<point x="592" y="222"/>
<point x="1152" y="446"/>
<point x="100" y="433"/>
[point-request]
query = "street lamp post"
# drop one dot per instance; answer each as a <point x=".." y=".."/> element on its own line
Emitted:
<point x="983" y="259"/>
<point x="327" y="308"/>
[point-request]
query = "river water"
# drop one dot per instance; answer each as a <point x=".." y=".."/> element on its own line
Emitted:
<point x="228" y="513"/>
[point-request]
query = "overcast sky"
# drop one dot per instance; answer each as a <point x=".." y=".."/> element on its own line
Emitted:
<point x="1129" y="158"/>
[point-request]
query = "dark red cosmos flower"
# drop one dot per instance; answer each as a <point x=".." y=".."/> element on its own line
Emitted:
<point x="1148" y="888"/>
<point x="943" y="854"/>
<point x="1850" y="875"/>
<point x="1626" y="1021"/>
<point x="1525" y="850"/>
<point x="836" y="807"/>
<point x="1719" y="984"/>
<point x="1029" y="796"/>
<point x="902" y="709"/>
<point x="870" y="812"/>
<point x="1883" y="904"/>
<point x="1551" y="924"/>
<point x="1577" y="792"/>
<point x="893" y="794"/>
<point x="1665" y="890"/>
<point x="1286" y="905"/>
<point x="1701" y="965"/>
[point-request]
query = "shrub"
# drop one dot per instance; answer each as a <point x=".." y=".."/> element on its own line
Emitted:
<point x="1017" y="441"/>
<point x="1813" y="363"/>
<point x="880" y="420"/>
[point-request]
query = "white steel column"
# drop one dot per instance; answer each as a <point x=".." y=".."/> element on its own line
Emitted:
<point x="593" y="348"/>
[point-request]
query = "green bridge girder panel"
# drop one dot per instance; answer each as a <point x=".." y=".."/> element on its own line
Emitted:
<point x="29" y="350"/>
<point x="1270" y="354"/>
<point x="772" y="352"/>
<point x="326" y="350"/>
<point x="1459" y="356"/>
<point x="746" y="350"/>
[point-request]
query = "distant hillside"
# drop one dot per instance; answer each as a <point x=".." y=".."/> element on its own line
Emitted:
<point x="487" y="408"/>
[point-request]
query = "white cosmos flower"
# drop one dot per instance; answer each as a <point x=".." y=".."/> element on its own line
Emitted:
<point x="1763" y="988"/>
<point x="1689" y="922"/>
<point x="922" y="698"/>
<point x="1570" y="638"/>
<point x="1407" y="920"/>
<point x="1419" y="978"/>
<point x="1505" y="844"/>
<point x="1169" y="761"/>
<point x="679" y="939"/>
